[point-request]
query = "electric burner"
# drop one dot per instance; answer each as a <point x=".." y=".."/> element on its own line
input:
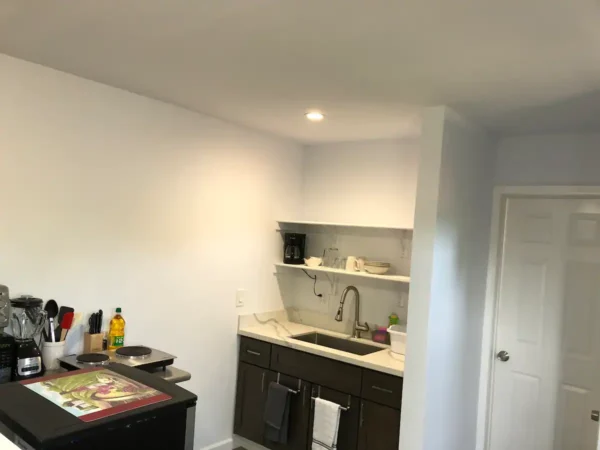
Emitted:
<point x="139" y="356"/>
<point x="92" y="358"/>
<point x="134" y="352"/>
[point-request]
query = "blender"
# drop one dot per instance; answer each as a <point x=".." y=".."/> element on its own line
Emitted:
<point x="6" y="342"/>
<point x="28" y="320"/>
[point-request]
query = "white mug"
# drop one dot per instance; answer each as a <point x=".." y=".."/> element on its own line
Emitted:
<point x="360" y="263"/>
<point x="351" y="264"/>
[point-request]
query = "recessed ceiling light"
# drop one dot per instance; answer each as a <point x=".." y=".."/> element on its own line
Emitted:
<point x="314" y="116"/>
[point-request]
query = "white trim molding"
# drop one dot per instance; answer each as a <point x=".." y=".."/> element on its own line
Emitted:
<point x="501" y="194"/>
<point x="227" y="444"/>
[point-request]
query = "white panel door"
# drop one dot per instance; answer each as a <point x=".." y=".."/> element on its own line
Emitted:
<point x="549" y="293"/>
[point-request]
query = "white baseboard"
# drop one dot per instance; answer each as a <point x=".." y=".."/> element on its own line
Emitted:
<point x="234" y="442"/>
<point x="239" y="441"/>
<point x="227" y="444"/>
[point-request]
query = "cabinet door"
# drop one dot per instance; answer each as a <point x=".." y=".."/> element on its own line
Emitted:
<point x="250" y="402"/>
<point x="379" y="427"/>
<point x="299" y="413"/>
<point x="348" y="431"/>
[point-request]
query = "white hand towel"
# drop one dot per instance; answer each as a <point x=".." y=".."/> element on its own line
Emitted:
<point x="326" y="426"/>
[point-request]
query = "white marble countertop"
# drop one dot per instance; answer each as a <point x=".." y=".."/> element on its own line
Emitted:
<point x="277" y="329"/>
<point x="5" y="444"/>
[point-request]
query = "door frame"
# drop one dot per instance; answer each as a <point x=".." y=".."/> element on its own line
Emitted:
<point x="500" y="196"/>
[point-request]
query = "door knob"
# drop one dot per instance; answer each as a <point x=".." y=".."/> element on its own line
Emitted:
<point x="596" y="416"/>
<point x="503" y="356"/>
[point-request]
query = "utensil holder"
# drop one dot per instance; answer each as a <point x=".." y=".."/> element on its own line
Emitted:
<point x="92" y="342"/>
<point x="51" y="351"/>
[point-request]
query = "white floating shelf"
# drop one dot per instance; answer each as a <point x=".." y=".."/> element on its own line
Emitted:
<point x="342" y="225"/>
<point x="393" y="278"/>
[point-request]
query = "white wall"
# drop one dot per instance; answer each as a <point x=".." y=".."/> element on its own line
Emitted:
<point x="450" y="250"/>
<point x="110" y="199"/>
<point x="367" y="182"/>
<point x="553" y="159"/>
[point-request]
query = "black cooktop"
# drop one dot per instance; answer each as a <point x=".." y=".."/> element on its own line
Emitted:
<point x="42" y="424"/>
<point x="134" y="351"/>
<point x="92" y="358"/>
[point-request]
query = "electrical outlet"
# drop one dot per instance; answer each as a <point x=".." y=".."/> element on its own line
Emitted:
<point x="240" y="298"/>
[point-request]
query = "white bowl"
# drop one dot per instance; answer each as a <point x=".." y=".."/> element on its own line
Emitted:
<point x="376" y="270"/>
<point x="313" y="261"/>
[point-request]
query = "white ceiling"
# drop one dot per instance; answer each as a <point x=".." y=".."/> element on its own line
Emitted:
<point x="368" y="64"/>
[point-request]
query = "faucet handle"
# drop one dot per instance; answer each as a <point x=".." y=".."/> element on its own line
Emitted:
<point x="362" y="327"/>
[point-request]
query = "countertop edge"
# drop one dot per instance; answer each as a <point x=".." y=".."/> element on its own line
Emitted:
<point x="321" y="351"/>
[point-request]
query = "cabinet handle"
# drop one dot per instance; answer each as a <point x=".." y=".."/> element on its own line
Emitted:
<point x="380" y="389"/>
<point x="252" y="352"/>
<point x="304" y="396"/>
<point x="362" y="415"/>
<point x="262" y="383"/>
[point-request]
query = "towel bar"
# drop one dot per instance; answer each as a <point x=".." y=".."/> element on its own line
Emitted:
<point x="343" y="408"/>
<point x="291" y="390"/>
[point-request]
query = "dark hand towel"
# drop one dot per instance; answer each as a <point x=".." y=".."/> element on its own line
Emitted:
<point x="277" y="413"/>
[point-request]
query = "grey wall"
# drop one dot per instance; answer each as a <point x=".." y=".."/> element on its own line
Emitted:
<point x="551" y="159"/>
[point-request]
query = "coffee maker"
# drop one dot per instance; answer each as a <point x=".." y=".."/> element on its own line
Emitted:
<point x="294" y="247"/>
<point x="7" y="342"/>
<point x="28" y="320"/>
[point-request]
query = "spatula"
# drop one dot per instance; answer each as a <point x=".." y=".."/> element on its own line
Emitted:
<point x="65" y="325"/>
<point x="61" y="314"/>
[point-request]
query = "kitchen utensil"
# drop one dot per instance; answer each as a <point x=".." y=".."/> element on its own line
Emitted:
<point x="294" y="247"/>
<point x="62" y="311"/>
<point x="29" y="319"/>
<point x="95" y="322"/>
<point x="65" y="325"/>
<point x="52" y="331"/>
<point x="377" y="268"/>
<point x="313" y="261"/>
<point x="92" y="323"/>
<point x="51" y="308"/>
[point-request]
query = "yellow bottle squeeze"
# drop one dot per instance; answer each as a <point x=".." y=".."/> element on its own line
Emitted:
<point x="116" y="334"/>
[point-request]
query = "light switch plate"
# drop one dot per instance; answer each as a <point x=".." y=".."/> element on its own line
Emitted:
<point x="240" y="298"/>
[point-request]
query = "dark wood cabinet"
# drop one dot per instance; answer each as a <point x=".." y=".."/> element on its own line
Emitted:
<point x="382" y="388"/>
<point x="299" y="413"/>
<point x="372" y="400"/>
<point x="347" y="435"/>
<point x="379" y="427"/>
<point x="255" y="352"/>
<point x="250" y="400"/>
<point x="316" y="369"/>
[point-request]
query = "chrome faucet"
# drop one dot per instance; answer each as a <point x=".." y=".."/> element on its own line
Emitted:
<point x="357" y="327"/>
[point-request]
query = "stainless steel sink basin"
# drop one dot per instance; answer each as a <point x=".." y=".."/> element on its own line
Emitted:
<point x="344" y="345"/>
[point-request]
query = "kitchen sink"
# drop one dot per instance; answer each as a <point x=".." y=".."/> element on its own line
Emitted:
<point x="344" y="345"/>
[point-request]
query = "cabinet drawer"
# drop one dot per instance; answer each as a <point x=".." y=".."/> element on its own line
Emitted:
<point x="382" y="388"/>
<point x="255" y="352"/>
<point x="326" y="372"/>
